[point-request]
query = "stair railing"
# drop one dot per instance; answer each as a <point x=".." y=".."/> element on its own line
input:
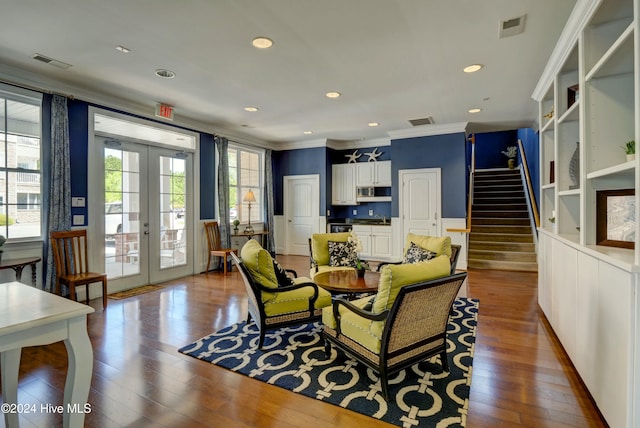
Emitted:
<point x="531" y="197"/>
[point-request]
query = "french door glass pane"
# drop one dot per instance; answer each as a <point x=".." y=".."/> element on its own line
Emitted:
<point x="172" y="212"/>
<point x="122" y="212"/>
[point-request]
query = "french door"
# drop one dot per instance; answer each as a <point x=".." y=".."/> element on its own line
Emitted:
<point x="147" y="215"/>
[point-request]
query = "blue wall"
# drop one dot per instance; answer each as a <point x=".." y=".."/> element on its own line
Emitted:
<point x="442" y="151"/>
<point x="300" y="162"/>
<point x="489" y="147"/>
<point x="531" y="146"/>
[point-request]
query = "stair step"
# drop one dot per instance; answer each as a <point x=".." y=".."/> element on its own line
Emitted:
<point x="503" y="229"/>
<point x="497" y="180"/>
<point x="498" y="194"/>
<point x="501" y="246"/>
<point x="499" y="214"/>
<point x="507" y="221"/>
<point x="477" y="188"/>
<point x="501" y="265"/>
<point x="498" y="172"/>
<point x="475" y="236"/>
<point x="493" y="207"/>
<point x="480" y="200"/>
<point x="506" y="256"/>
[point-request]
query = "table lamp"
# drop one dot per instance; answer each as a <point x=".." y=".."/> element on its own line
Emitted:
<point x="249" y="197"/>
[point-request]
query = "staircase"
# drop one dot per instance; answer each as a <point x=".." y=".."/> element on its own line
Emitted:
<point x="501" y="235"/>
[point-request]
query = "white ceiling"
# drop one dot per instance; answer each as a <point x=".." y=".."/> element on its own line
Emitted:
<point x="392" y="60"/>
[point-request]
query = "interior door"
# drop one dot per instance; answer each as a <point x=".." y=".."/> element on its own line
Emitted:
<point x="420" y="203"/>
<point x="302" y="199"/>
<point x="147" y="218"/>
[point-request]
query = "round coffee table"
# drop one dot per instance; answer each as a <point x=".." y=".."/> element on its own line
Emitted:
<point x="347" y="282"/>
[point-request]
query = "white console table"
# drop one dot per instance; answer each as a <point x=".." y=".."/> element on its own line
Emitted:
<point x="32" y="317"/>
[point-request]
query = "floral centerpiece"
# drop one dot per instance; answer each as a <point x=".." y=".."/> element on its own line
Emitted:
<point x="356" y="246"/>
<point x="511" y="153"/>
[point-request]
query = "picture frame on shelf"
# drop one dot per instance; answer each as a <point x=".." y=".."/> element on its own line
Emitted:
<point x="616" y="218"/>
<point x="573" y="95"/>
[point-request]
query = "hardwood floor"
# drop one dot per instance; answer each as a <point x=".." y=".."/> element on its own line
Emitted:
<point x="521" y="375"/>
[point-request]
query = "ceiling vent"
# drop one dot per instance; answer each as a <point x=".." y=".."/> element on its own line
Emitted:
<point x="512" y="26"/>
<point x="51" y="61"/>
<point x="424" y="121"/>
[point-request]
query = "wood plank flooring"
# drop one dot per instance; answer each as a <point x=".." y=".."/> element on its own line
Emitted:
<point x="521" y="375"/>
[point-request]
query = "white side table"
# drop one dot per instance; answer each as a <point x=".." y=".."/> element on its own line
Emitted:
<point x="32" y="317"/>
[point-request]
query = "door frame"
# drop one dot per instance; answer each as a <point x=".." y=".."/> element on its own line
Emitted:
<point x="287" y="183"/>
<point x="95" y="182"/>
<point x="401" y="207"/>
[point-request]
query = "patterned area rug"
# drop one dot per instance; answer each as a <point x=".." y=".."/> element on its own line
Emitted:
<point x="134" y="291"/>
<point x="293" y="358"/>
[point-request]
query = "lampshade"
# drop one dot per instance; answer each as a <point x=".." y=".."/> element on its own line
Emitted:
<point x="249" y="197"/>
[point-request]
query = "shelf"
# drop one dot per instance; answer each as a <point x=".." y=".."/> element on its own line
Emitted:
<point x="374" y="199"/>
<point x="549" y="186"/>
<point x="548" y="127"/>
<point x="571" y="192"/>
<point x="572" y="114"/>
<point x="618" y="59"/>
<point x="622" y="170"/>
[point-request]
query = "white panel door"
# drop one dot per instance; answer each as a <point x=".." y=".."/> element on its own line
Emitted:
<point x="302" y="199"/>
<point x="420" y="201"/>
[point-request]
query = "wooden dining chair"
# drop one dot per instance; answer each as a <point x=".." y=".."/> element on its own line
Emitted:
<point x="213" y="240"/>
<point x="70" y="253"/>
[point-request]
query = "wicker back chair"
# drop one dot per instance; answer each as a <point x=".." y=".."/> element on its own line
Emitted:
<point x="312" y="296"/>
<point x="415" y="328"/>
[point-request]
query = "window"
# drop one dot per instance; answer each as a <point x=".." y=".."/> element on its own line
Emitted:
<point x="245" y="173"/>
<point x="20" y="155"/>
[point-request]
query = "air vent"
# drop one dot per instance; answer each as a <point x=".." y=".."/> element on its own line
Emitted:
<point x="424" y="121"/>
<point x="51" y="61"/>
<point x="513" y="26"/>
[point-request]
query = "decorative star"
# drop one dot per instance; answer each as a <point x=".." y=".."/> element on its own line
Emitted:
<point x="353" y="156"/>
<point x="373" y="156"/>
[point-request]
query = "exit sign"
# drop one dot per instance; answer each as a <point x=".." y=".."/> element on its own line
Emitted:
<point x="164" y="111"/>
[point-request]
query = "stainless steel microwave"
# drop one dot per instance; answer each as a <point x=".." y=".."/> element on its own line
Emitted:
<point x="365" y="192"/>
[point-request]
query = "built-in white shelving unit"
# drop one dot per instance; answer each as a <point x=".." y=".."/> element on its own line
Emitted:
<point x="589" y="101"/>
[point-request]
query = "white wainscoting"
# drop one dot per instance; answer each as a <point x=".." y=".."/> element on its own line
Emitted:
<point x="459" y="238"/>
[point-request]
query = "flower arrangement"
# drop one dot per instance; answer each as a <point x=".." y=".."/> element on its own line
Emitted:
<point x="630" y="147"/>
<point x="356" y="245"/>
<point x="511" y="152"/>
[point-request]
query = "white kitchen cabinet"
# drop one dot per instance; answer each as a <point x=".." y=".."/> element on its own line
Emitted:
<point x="376" y="242"/>
<point x="373" y="174"/>
<point x="343" y="184"/>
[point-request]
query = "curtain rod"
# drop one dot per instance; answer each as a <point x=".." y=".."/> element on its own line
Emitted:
<point x="34" y="88"/>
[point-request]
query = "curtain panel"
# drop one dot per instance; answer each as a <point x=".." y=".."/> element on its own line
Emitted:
<point x="59" y="210"/>
<point x="222" y="145"/>
<point x="269" y="201"/>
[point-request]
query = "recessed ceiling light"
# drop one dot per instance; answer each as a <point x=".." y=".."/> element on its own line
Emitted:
<point x="123" y="49"/>
<point x="333" y="94"/>
<point x="167" y="74"/>
<point x="251" y="109"/>
<point x="262" y="43"/>
<point x="308" y="132"/>
<point x="373" y="124"/>
<point x="472" y="68"/>
<point x="475" y="110"/>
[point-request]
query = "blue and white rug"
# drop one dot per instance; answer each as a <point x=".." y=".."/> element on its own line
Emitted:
<point x="293" y="358"/>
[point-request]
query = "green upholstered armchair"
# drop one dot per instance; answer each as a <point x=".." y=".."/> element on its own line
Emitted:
<point x="436" y="244"/>
<point x="319" y="251"/>
<point x="403" y="324"/>
<point x="275" y="299"/>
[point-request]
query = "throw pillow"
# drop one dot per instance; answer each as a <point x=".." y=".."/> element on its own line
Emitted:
<point x="284" y="279"/>
<point x="416" y="254"/>
<point x="341" y="254"/>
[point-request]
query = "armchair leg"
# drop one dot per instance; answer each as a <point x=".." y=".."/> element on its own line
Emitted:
<point x="327" y="348"/>
<point x="261" y="340"/>
<point x="384" y="383"/>
<point x="444" y="361"/>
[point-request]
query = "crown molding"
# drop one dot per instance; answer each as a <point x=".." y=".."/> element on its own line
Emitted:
<point x="582" y="12"/>
<point x="428" y="130"/>
<point x="358" y="144"/>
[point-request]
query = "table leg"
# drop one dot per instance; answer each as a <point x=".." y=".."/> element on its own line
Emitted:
<point x="10" y="366"/>
<point x="76" y="387"/>
<point x="18" y="270"/>
<point x="33" y="274"/>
